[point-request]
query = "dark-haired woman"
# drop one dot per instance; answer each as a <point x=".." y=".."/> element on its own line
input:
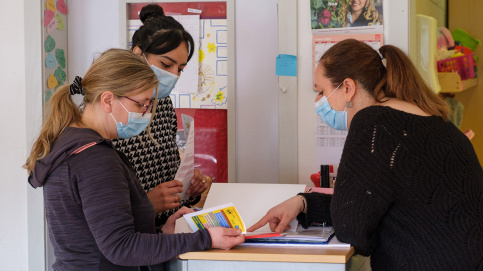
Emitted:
<point x="409" y="188"/>
<point x="167" y="47"/>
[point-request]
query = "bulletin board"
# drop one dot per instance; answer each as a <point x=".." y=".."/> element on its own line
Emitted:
<point x="54" y="47"/>
<point x="206" y="88"/>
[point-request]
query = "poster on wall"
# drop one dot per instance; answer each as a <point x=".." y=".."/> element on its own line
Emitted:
<point x="54" y="51"/>
<point x="346" y="16"/>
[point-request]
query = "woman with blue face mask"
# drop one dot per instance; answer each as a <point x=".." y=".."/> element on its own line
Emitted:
<point x="167" y="47"/>
<point x="409" y="186"/>
<point x="98" y="215"/>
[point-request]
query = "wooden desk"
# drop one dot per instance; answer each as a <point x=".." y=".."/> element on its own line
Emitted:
<point x="271" y="258"/>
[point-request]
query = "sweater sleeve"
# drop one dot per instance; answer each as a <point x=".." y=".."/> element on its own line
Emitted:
<point x="109" y="196"/>
<point x="318" y="209"/>
<point x="364" y="191"/>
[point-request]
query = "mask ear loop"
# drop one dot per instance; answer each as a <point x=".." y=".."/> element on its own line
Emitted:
<point x="334" y="90"/>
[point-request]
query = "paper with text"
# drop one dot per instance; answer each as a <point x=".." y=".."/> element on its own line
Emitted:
<point x="225" y="215"/>
<point x="186" y="170"/>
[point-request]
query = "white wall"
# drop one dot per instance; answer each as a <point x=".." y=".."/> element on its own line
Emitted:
<point x="256" y="91"/>
<point x="93" y="28"/>
<point x="21" y="229"/>
<point x="396" y="32"/>
<point x="13" y="204"/>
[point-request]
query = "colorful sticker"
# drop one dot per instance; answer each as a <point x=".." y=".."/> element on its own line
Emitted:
<point x="50" y="5"/>
<point x="60" y="75"/>
<point x="60" y="22"/>
<point x="52" y="82"/>
<point x="47" y="96"/>
<point x="62" y="7"/>
<point x="59" y="55"/>
<point x="50" y="61"/>
<point x="49" y="44"/>
<point x="48" y="16"/>
<point x="52" y="25"/>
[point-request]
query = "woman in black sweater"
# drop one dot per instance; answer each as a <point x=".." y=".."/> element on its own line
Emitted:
<point x="409" y="188"/>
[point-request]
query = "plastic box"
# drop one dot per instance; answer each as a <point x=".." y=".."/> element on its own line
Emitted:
<point x="463" y="65"/>
<point x="465" y="39"/>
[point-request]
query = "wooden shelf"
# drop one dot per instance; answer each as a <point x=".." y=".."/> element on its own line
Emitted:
<point x="451" y="82"/>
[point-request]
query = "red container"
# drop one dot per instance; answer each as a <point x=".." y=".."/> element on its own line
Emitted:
<point x="463" y="65"/>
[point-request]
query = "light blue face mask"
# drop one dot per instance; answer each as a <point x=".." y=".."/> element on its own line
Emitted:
<point x="167" y="81"/>
<point x="335" y="119"/>
<point x="136" y="123"/>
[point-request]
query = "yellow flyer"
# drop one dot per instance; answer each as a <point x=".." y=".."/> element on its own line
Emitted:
<point x="225" y="215"/>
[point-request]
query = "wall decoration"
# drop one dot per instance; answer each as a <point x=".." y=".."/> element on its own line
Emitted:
<point x="54" y="34"/>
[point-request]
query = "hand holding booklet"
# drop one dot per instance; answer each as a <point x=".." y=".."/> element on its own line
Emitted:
<point x="218" y="212"/>
<point x="221" y="216"/>
<point x="227" y="216"/>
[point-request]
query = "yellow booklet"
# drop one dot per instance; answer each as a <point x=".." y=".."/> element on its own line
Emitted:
<point x="225" y="215"/>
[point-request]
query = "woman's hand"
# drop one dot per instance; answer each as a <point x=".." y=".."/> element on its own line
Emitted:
<point x="199" y="183"/>
<point x="169" y="227"/>
<point x="164" y="197"/>
<point x="225" y="238"/>
<point x="280" y="216"/>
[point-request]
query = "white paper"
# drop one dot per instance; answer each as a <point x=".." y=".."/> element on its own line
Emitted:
<point x="186" y="120"/>
<point x="186" y="168"/>
<point x="188" y="81"/>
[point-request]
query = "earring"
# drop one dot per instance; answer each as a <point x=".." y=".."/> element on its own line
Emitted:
<point x="348" y="104"/>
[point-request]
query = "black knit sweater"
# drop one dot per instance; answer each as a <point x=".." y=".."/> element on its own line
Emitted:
<point x="409" y="192"/>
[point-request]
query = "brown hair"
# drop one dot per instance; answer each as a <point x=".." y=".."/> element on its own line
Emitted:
<point x="116" y="70"/>
<point x="399" y="79"/>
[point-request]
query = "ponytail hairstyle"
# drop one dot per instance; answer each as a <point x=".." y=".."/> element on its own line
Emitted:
<point x="159" y="33"/>
<point x="369" y="12"/>
<point x="354" y="59"/>
<point x="116" y="70"/>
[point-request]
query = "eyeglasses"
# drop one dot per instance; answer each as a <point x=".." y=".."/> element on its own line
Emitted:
<point x="146" y="107"/>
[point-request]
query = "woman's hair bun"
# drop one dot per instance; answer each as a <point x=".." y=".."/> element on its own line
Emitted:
<point x="150" y="11"/>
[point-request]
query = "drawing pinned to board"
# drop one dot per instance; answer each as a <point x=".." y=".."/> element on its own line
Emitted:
<point x="206" y="81"/>
<point x="59" y="55"/>
<point x="48" y="16"/>
<point x="60" y="22"/>
<point x="51" y="5"/>
<point x="52" y="82"/>
<point x="49" y="44"/>
<point x="55" y="38"/>
<point x="52" y="25"/>
<point x="62" y="7"/>
<point x="212" y="78"/>
<point x="60" y="75"/>
<point x="47" y="95"/>
<point x="50" y="61"/>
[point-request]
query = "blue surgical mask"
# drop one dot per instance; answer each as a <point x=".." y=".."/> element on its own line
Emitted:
<point x="335" y="119"/>
<point x="136" y="123"/>
<point x="167" y="81"/>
